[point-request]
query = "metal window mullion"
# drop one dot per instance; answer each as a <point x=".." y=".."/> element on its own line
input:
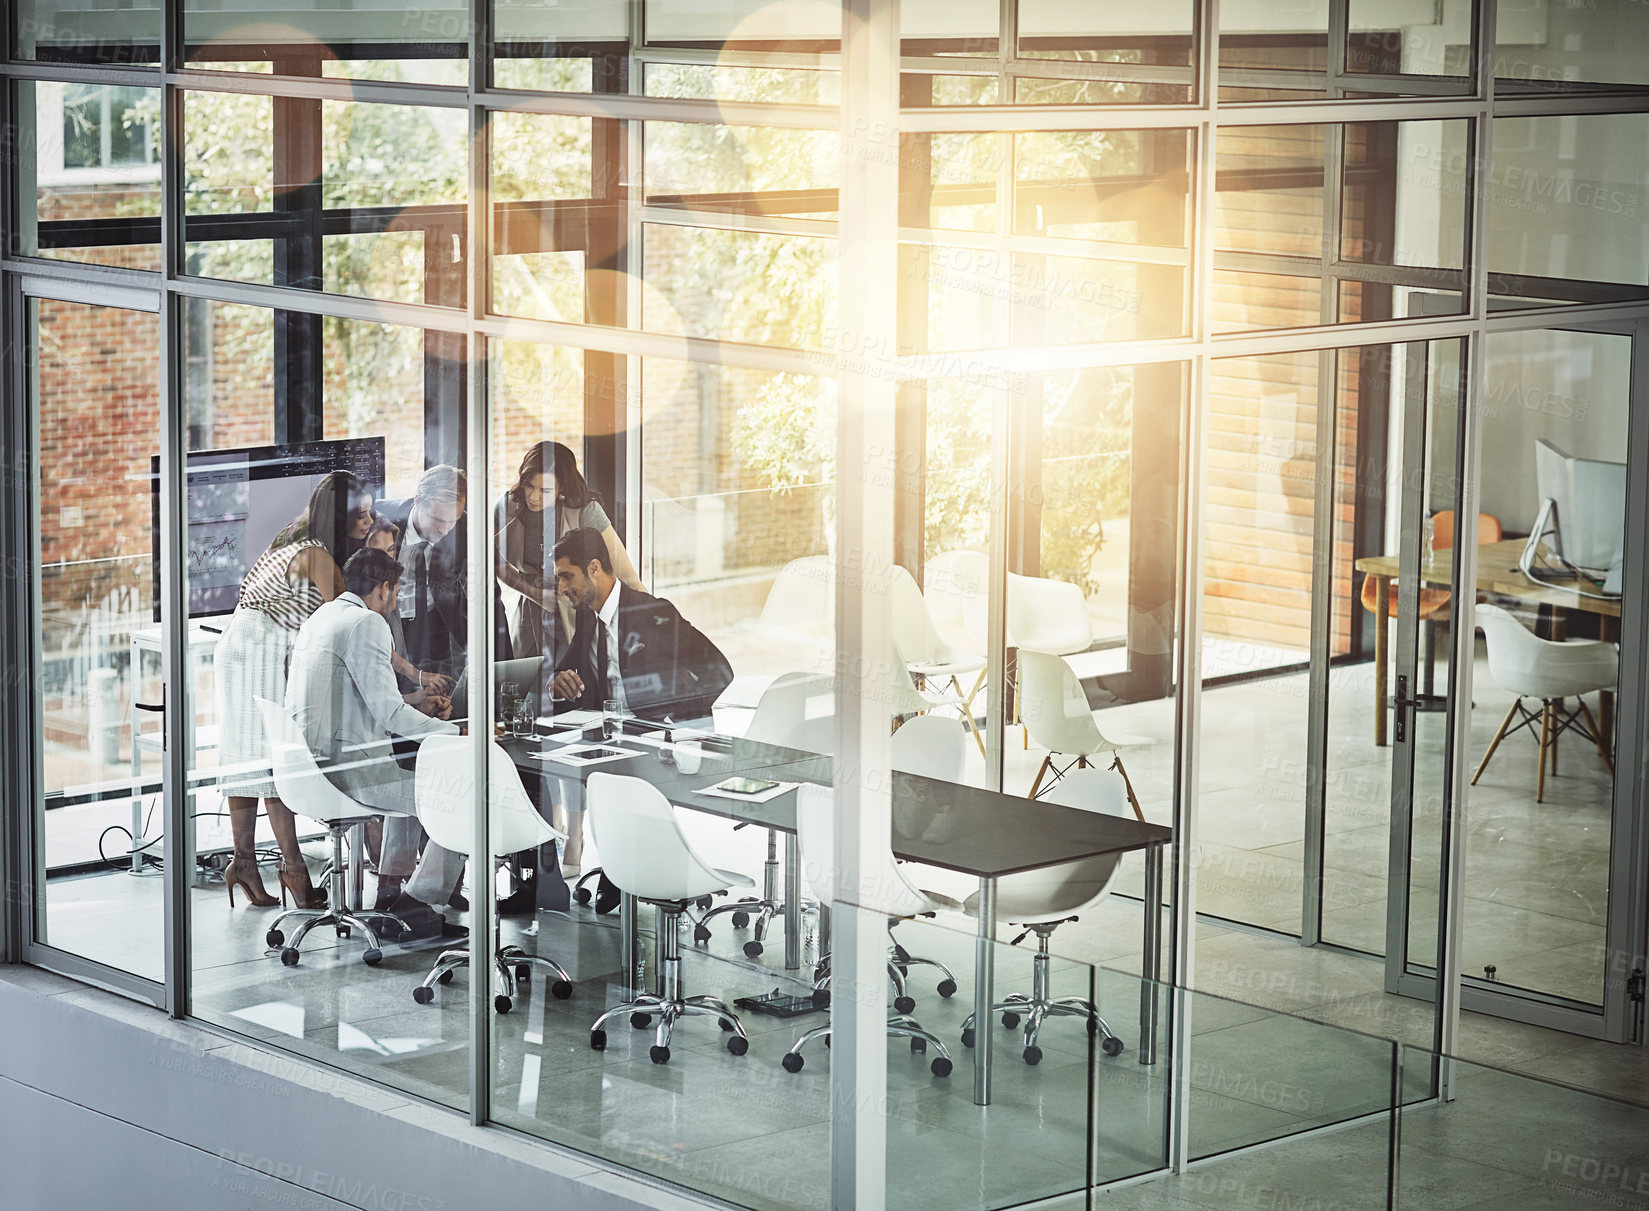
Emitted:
<point x="480" y="574"/>
<point x="174" y="607"/>
<point x="1322" y="625"/>
<point x="81" y="73"/>
<point x="1628" y="916"/>
<point x="665" y="109"/>
<point x="1083" y="69"/>
<point x="716" y="220"/>
<point x="1141" y="254"/>
<point x="729" y="57"/>
<point x="320" y="88"/>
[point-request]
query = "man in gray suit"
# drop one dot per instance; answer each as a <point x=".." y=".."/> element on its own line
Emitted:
<point x="342" y="691"/>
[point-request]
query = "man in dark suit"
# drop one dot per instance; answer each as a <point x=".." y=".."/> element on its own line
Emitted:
<point x="629" y="645"/>
<point x="433" y="597"/>
<point x="632" y="647"/>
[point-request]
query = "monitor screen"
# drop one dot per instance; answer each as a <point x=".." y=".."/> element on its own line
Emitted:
<point x="1588" y="498"/>
<point x="238" y="500"/>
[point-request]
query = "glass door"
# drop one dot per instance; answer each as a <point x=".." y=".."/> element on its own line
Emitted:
<point x="1542" y="843"/>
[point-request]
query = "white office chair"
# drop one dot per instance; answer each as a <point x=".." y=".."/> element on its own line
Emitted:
<point x="1057" y="716"/>
<point x="797" y="711"/>
<point x="951" y="582"/>
<point x="931" y="747"/>
<point x="646" y="854"/>
<point x="445" y="786"/>
<point x="885" y="889"/>
<point x="1043" y="900"/>
<point x="306" y="790"/>
<point x="1532" y="667"/>
<point x="927" y="654"/>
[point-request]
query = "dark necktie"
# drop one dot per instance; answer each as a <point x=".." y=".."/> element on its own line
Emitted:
<point x="420" y="582"/>
<point x="604" y="685"/>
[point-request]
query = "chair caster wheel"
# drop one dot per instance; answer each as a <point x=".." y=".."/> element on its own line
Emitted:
<point x="947" y="988"/>
<point x="289" y="956"/>
<point x="821" y="998"/>
<point x="1111" y="1046"/>
<point x="640" y="1021"/>
<point x="904" y="1004"/>
<point x="274" y="938"/>
<point x="967" y="1037"/>
<point x="700" y="934"/>
<point x="502" y="1004"/>
<point x="940" y="1066"/>
<point x="343" y="931"/>
<point x="1010" y="1020"/>
<point x="791" y="1062"/>
<point x="740" y="920"/>
<point x="598" y="1040"/>
<point x="445" y="977"/>
<point x="1033" y="1055"/>
<point x="753" y="950"/>
<point x="737" y="1044"/>
<point x="725" y="1025"/>
<point x="523" y="973"/>
<point x="659" y="1055"/>
<point x="561" y="990"/>
<point x="423" y="995"/>
<point x="918" y="1046"/>
<point x="703" y="903"/>
<point x="372" y="957"/>
<point x="581" y="896"/>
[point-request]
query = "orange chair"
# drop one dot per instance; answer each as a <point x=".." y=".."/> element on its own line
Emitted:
<point x="1434" y="603"/>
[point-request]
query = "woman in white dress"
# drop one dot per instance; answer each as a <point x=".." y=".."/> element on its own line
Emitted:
<point x="287" y="583"/>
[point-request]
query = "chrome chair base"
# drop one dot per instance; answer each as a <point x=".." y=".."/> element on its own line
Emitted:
<point x="1036" y="1008"/>
<point x="898" y="1026"/>
<point x="511" y="967"/>
<point x="668" y="1005"/>
<point x="344" y="920"/>
<point x="758" y="909"/>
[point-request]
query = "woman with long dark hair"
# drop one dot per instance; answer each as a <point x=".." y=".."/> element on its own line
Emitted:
<point x="548" y="499"/>
<point x="288" y="582"/>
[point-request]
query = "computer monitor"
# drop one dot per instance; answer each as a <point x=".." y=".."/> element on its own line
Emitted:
<point x="1582" y="515"/>
<point x="239" y="499"/>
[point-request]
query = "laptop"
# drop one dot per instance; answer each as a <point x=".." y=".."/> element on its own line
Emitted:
<point x="530" y="675"/>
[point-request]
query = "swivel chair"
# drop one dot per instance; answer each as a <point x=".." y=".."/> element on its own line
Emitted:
<point x="1042" y="901"/>
<point x="305" y="789"/>
<point x="445" y="787"/>
<point x="646" y="854"/>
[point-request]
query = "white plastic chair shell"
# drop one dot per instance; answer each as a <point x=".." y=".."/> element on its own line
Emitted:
<point x="931" y="746"/>
<point x="298" y="777"/>
<point x="444" y="785"/>
<point x="1054" y="707"/>
<point x="1531" y="667"/>
<point x="797" y="711"/>
<point x="917" y="636"/>
<point x="883" y="888"/>
<point x="643" y="849"/>
<point x="1060" y="891"/>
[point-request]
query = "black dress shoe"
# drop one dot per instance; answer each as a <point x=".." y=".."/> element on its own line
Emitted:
<point x="522" y="901"/>
<point x="606" y="895"/>
<point x="458" y="902"/>
<point x="424" y="924"/>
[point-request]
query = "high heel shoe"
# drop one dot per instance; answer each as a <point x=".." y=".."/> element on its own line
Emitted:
<point x="304" y="893"/>
<point x="244" y="873"/>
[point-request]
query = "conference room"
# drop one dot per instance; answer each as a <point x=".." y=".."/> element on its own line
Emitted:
<point x="1069" y="685"/>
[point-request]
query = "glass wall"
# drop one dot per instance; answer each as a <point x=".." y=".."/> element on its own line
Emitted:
<point x="717" y="452"/>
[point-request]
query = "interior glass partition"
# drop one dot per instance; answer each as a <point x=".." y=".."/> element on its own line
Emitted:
<point x="99" y="827"/>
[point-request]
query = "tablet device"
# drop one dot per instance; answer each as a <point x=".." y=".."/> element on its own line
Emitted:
<point x="745" y="786"/>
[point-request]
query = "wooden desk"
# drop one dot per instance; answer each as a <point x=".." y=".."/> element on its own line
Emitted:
<point x="1497" y="572"/>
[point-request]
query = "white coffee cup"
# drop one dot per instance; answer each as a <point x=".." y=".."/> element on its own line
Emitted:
<point x="688" y="754"/>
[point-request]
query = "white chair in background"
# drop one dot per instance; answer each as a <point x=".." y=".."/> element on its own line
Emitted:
<point x="444" y="784"/>
<point x="306" y="790"/>
<point x="927" y="654"/>
<point x="951" y="583"/>
<point x="1042" y="901"/>
<point x="1532" y="667"/>
<point x="797" y="711"/>
<point x="645" y="853"/>
<point x="1058" y="717"/>
<point x="885" y="889"/>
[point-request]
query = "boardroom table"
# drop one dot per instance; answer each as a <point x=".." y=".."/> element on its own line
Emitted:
<point x="984" y="834"/>
<point x="1498" y="573"/>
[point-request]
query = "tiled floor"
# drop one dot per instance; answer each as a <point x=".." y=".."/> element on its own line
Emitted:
<point x="1267" y="1057"/>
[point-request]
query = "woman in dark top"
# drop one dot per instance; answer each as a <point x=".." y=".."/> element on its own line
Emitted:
<point x="527" y="527"/>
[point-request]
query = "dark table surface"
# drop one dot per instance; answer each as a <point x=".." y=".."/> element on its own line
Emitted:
<point x="986" y="834"/>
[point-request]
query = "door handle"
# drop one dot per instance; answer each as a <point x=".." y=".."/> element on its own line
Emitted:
<point x="1401" y="705"/>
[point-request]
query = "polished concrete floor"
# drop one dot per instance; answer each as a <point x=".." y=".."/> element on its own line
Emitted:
<point x="1267" y="1059"/>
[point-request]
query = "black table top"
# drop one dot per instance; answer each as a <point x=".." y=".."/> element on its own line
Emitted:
<point x="986" y="834"/>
